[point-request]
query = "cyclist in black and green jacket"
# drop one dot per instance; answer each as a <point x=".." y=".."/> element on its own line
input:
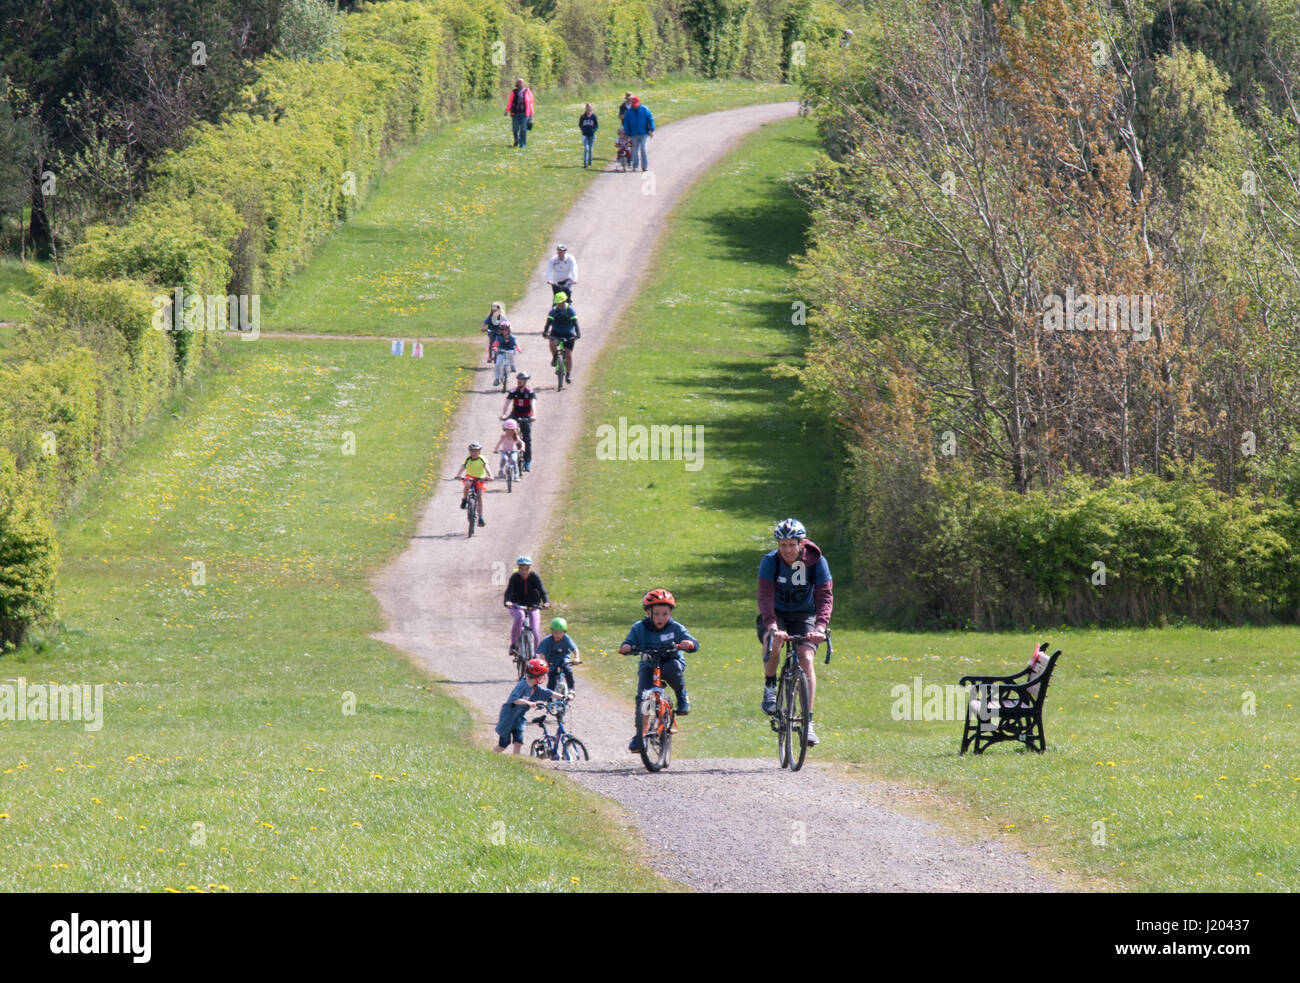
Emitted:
<point x="562" y="322"/>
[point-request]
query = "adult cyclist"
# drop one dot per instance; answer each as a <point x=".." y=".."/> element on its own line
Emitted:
<point x="794" y="598"/>
<point x="562" y="322"/>
<point x="562" y="271"/>
<point x="521" y="406"/>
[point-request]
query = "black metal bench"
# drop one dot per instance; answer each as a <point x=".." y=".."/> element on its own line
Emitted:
<point x="1002" y="709"/>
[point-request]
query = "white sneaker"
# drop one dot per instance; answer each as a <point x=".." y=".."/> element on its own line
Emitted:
<point x="812" y="735"/>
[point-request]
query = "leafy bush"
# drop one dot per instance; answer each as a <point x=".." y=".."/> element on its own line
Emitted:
<point x="29" y="553"/>
<point x="951" y="550"/>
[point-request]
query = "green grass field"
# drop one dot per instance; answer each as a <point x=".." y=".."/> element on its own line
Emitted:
<point x="1174" y="759"/>
<point x="254" y="738"/>
<point x="463" y="219"/>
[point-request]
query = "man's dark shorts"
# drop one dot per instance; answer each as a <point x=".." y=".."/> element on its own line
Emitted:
<point x="791" y="624"/>
<point x="568" y="339"/>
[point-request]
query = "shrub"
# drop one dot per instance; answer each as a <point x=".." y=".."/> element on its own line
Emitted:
<point x="29" y="553"/>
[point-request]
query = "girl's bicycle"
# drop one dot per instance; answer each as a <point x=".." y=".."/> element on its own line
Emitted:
<point x="509" y="468"/>
<point x="526" y="649"/>
<point x="560" y="746"/>
<point x="658" y="721"/>
<point x="471" y="486"/>
<point x="792" y="716"/>
<point x="504" y="362"/>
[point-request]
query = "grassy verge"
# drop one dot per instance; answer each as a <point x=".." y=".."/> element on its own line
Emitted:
<point x="253" y="737"/>
<point x="1173" y="761"/>
<point x="459" y="217"/>
<point x="12" y="278"/>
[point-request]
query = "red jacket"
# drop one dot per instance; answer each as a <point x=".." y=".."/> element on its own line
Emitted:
<point x="528" y="101"/>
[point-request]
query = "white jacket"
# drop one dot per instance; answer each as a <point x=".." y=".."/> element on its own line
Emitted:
<point x="558" y="270"/>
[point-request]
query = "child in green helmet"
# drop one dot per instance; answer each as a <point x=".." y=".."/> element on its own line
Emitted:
<point x="560" y="652"/>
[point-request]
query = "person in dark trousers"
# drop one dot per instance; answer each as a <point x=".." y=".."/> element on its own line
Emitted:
<point x="521" y="406"/>
<point x="587" y="124"/>
<point x="640" y="126"/>
<point x="519" y="107"/>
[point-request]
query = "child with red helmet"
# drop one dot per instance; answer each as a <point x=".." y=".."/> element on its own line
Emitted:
<point x="658" y="630"/>
<point x="527" y="694"/>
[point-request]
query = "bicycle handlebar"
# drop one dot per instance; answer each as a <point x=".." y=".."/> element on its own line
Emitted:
<point x="657" y="652"/>
<point x="798" y="639"/>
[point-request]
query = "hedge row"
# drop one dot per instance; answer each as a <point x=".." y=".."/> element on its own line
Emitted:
<point x="951" y="551"/>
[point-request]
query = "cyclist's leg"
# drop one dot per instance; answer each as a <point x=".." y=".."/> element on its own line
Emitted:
<point x="568" y="356"/>
<point x="516" y="627"/>
<point x="551" y="341"/>
<point x="478" y="494"/>
<point x="644" y="678"/>
<point x="552" y="677"/>
<point x="808" y="662"/>
<point x="526" y="431"/>
<point x="535" y="625"/>
<point x="673" y="672"/>
<point x="568" y="677"/>
<point x="772" y="660"/>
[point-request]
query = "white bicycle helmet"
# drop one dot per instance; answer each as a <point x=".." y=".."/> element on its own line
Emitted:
<point x="790" y="529"/>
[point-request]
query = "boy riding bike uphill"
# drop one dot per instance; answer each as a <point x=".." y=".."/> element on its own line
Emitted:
<point x="658" y="630"/>
<point x="559" y="651"/>
<point x="794" y="598"/>
<point x="476" y="468"/>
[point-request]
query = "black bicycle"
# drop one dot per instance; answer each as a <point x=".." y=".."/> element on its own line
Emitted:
<point x="560" y="746"/>
<point x="792" y="716"/>
<point x="524" y="650"/>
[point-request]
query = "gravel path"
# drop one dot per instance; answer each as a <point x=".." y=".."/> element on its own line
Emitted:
<point x="712" y="824"/>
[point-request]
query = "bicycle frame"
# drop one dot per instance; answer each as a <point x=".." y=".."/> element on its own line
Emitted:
<point x="658" y="720"/>
<point x="792" y="688"/>
<point x="556" y="745"/>
<point x="527" y="648"/>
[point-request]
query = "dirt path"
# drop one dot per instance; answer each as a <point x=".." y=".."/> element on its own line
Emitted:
<point x="715" y="825"/>
<point x="296" y="336"/>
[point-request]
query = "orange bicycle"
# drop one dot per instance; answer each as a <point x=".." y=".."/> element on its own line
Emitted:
<point x="658" y="720"/>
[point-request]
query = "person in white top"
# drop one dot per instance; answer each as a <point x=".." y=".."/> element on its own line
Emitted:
<point x="562" y="271"/>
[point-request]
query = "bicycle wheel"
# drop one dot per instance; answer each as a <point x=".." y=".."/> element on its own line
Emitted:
<point x="559" y="368"/>
<point x="798" y="723"/>
<point x="471" y="510"/>
<point x="538" y="748"/>
<point x="782" y="723"/>
<point x="657" y="741"/>
<point x="575" y="750"/>
<point x="525" y="648"/>
<point x="510" y="477"/>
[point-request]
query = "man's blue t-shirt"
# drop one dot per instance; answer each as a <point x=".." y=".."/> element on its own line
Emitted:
<point x="794" y="584"/>
<point x="556" y="653"/>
